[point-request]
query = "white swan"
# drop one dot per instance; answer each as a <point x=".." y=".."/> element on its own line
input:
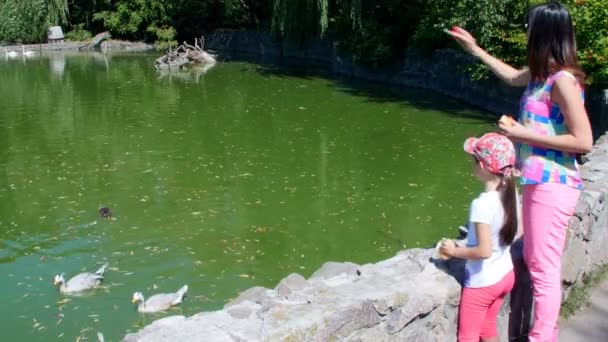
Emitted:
<point x="27" y="53"/>
<point x="159" y="302"/>
<point x="11" y="54"/>
<point x="80" y="282"/>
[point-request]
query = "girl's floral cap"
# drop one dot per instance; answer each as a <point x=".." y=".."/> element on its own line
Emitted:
<point x="494" y="151"/>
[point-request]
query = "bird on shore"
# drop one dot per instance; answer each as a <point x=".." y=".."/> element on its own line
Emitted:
<point x="27" y="53"/>
<point x="159" y="302"/>
<point x="80" y="282"/>
<point x="10" y="54"/>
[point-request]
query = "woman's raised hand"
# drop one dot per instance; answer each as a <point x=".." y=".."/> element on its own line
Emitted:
<point x="464" y="38"/>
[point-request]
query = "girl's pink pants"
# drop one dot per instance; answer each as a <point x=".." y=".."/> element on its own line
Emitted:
<point x="546" y="209"/>
<point x="479" y="308"/>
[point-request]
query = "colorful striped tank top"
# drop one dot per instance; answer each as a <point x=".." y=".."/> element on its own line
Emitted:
<point x="537" y="112"/>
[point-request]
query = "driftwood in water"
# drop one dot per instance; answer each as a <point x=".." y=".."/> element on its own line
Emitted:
<point x="183" y="55"/>
<point x="97" y="40"/>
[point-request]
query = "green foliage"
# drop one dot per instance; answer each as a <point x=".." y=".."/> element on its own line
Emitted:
<point x="82" y="11"/>
<point x="78" y="34"/>
<point x="299" y="20"/>
<point x="57" y="11"/>
<point x="133" y="19"/>
<point x="248" y="14"/>
<point x="165" y="37"/>
<point x="591" y="20"/>
<point x="27" y="21"/>
<point x="374" y="32"/>
<point x="497" y="26"/>
<point x="579" y="295"/>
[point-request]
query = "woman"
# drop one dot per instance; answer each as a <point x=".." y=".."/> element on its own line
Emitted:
<point x="552" y="128"/>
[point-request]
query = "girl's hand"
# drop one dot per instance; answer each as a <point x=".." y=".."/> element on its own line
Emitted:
<point x="447" y="248"/>
<point x="514" y="130"/>
<point x="464" y="38"/>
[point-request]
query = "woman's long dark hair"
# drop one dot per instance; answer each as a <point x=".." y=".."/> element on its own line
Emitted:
<point x="509" y="204"/>
<point x="551" y="42"/>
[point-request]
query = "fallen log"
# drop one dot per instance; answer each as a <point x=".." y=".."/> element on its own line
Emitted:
<point x="97" y="40"/>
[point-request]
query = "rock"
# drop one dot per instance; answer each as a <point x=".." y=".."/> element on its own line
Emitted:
<point x="255" y="294"/>
<point x="293" y="282"/>
<point x="416" y="306"/>
<point x="573" y="261"/>
<point x="240" y="311"/>
<point x="373" y="334"/>
<point x="348" y="320"/>
<point x="332" y="269"/>
<point x="598" y="241"/>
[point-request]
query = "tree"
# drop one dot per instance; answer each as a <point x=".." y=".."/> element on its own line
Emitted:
<point x="27" y="21"/>
<point x="136" y="19"/>
<point x="591" y="22"/>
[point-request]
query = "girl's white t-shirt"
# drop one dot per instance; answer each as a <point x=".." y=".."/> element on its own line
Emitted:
<point x="487" y="208"/>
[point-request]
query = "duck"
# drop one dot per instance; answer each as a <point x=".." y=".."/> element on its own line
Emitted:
<point x="80" y="282"/>
<point x="159" y="302"/>
<point x="105" y="212"/>
<point x="27" y="53"/>
<point x="11" y="53"/>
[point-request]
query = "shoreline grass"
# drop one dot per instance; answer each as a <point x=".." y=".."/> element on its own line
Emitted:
<point x="579" y="295"/>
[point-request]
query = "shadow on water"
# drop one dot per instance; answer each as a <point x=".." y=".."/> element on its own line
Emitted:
<point x="377" y="92"/>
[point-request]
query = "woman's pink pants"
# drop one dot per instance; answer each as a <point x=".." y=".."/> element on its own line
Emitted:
<point x="546" y="209"/>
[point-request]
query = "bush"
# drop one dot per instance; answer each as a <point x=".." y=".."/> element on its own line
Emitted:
<point x="23" y="21"/>
<point x="374" y="32"/>
<point x="135" y="20"/>
<point x="497" y="26"/>
<point x="165" y="37"/>
<point x="27" y="21"/>
<point x="591" y="21"/>
<point x="78" y="34"/>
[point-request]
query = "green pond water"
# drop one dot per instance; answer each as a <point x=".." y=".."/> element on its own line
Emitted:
<point x="221" y="180"/>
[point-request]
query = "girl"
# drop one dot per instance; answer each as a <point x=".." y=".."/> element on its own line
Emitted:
<point x="492" y="228"/>
<point x="552" y="127"/>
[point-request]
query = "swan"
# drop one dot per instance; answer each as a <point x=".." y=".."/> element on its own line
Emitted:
<point x="80" y="282"/>
<point x="159" y="302"/>
<point x="27" y="53"/>
<point x="11" y="53"/>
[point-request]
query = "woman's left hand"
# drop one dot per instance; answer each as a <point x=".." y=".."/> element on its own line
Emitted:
<point x="515" y="131"/>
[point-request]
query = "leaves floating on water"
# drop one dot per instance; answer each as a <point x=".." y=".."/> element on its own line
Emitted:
<point x="63" y="301"/>
<point x="261" y="230"/>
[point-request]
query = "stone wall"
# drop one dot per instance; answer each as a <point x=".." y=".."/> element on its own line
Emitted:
<point x="588" y="233"/>
<point x="412" y="296"/>
<point x="112" y="45"/>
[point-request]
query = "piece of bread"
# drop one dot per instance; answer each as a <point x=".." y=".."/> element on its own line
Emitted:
<point x="507" y="121"/>
<point x="441" y="255"/>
